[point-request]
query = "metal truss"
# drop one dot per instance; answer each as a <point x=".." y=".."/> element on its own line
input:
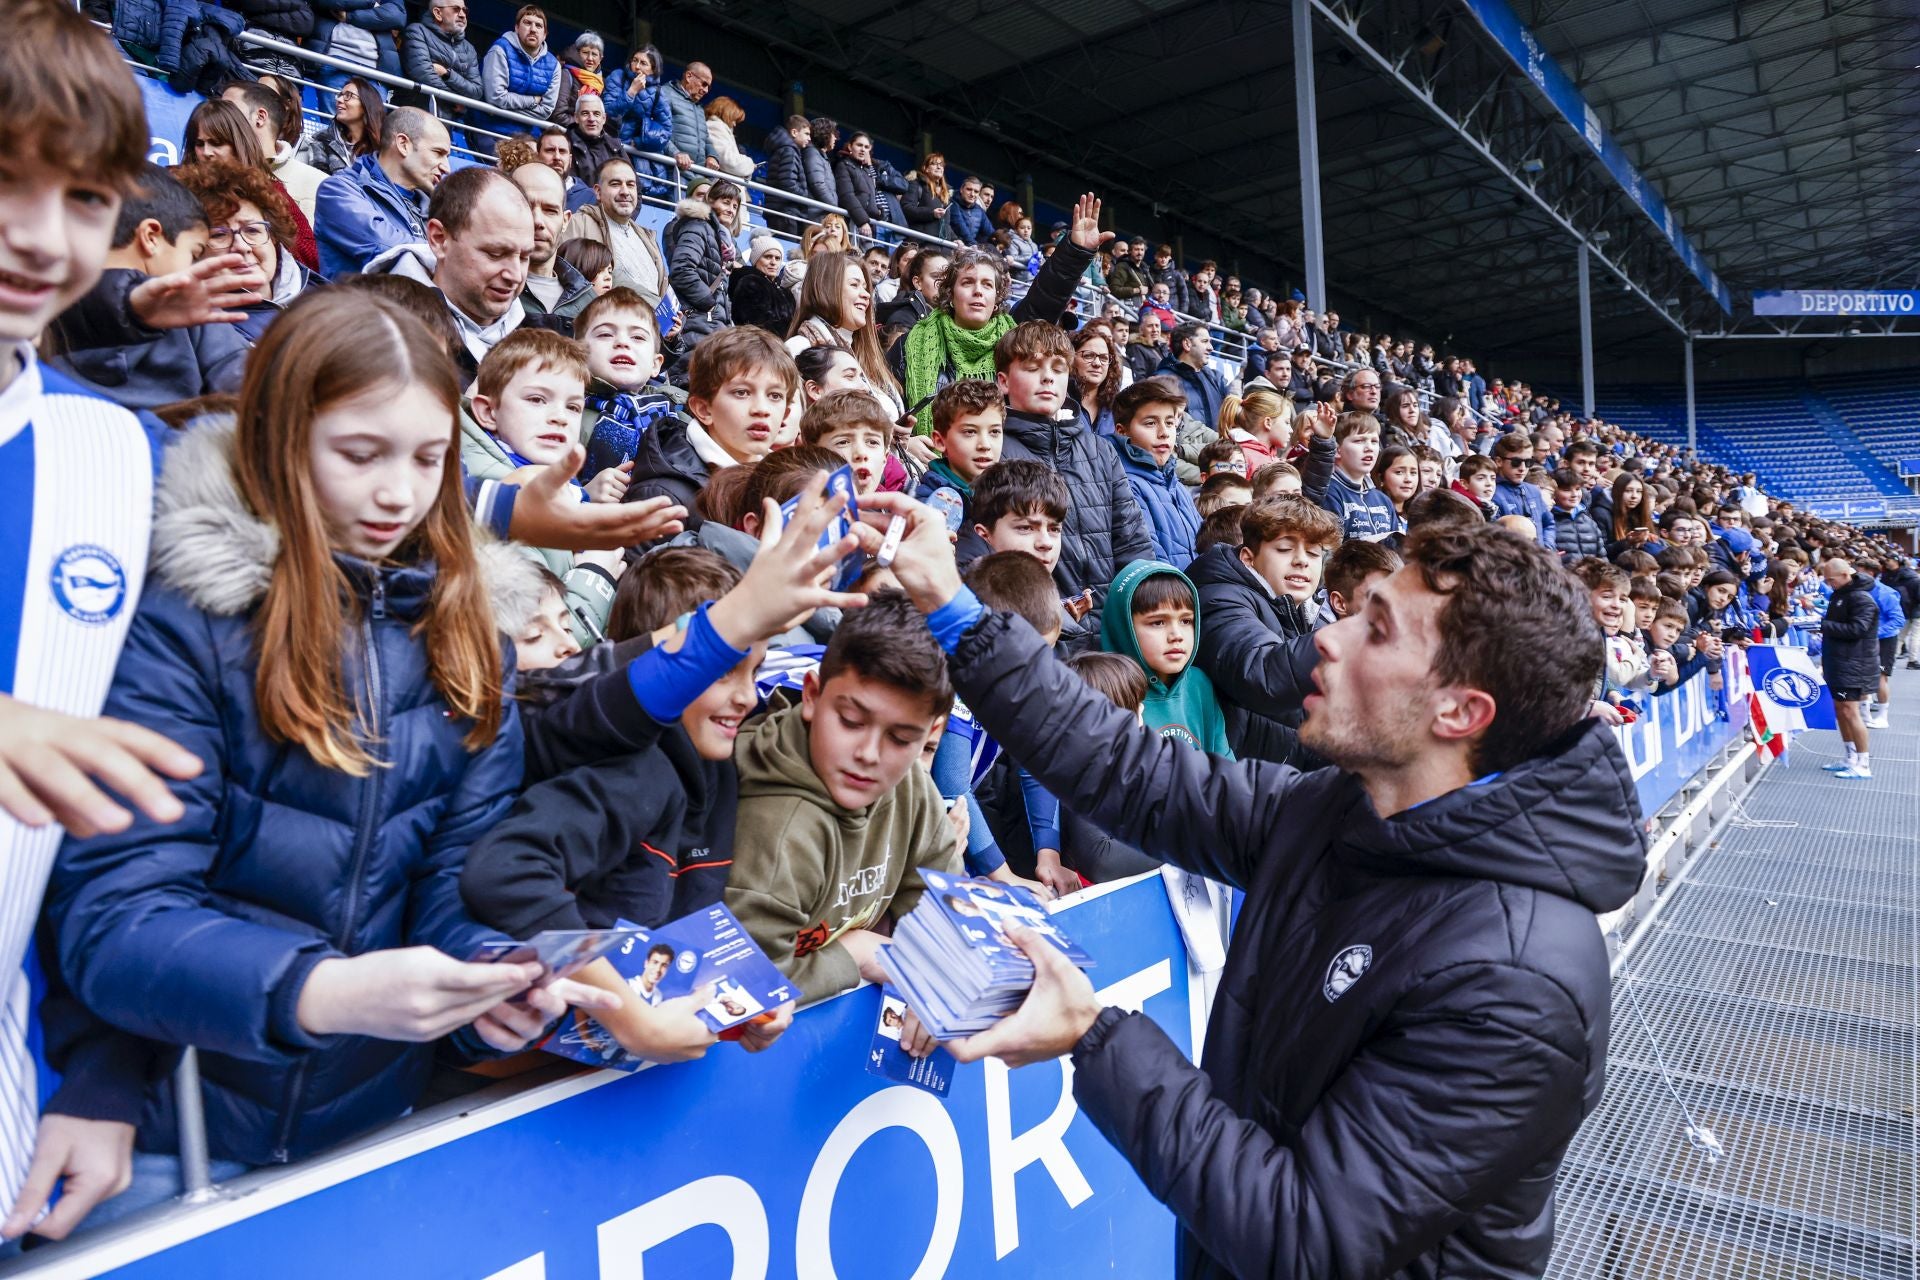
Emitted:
<point x="1473" y="89"/>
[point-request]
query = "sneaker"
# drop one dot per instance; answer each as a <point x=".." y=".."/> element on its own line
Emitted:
<point x="1877" y="722"/>
<point x="1835" y="766"/>
<point x="1913" y="664"/>
<point x="1853" y="773"/>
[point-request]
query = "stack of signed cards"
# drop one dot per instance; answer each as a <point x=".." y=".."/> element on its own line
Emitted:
<point x="951" y="958"/>
<point x="706" y="954"/>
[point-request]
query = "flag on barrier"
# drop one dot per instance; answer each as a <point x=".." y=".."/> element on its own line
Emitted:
<point x="1764" y="736"/>
<point x="1790" y="689"/>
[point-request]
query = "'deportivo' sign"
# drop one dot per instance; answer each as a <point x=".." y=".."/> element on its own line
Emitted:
<point x="1836" y="302"/>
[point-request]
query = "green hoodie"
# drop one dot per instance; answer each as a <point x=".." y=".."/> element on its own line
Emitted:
<point x="805" y="870"/>
<point x="589" y="589"/>
<point x="1186" y="709"/>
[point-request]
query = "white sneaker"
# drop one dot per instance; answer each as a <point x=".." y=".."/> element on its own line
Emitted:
<point x="1835" y="766"/>
<point x="1877" y="722"/>
<point x="1853" y="773"/>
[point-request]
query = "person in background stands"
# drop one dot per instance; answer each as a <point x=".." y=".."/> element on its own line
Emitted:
<point x="380" y="202"/>
<point x="690" y="143"/>
<point x="519" y="74"/>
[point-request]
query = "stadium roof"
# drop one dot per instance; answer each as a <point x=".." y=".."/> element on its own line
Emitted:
<point x="1777" y="130"/>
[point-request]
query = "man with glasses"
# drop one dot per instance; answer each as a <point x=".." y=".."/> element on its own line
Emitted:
<point x="1512" y="496"/>
<point x="689" y="121"/>
<point x="438" y="54"/>
<point x="1360" y="392"/>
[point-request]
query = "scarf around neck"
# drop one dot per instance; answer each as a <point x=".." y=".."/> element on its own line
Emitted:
<point x="938" y="343"/>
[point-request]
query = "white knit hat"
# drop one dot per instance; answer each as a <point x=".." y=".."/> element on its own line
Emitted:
<point x="764" y="244"/>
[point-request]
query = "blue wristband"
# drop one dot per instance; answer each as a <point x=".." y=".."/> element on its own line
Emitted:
<point x="950" y="621"/>
<point x="666" y="684"/>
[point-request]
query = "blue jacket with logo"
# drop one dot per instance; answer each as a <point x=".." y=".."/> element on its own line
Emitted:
<point x="360" y="213"/>
<point x="1363" y="510"/>
<point x="204" y="931"/>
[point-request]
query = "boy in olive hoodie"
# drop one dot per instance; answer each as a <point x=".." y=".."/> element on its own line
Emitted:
<point x="1152" y="617"/>
<point x="835" y="820"/>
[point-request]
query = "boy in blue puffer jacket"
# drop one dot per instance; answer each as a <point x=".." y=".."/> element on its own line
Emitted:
<point x="1146" y="419"/>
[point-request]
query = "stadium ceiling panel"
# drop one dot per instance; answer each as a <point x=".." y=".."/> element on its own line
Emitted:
<point x="1781" y="134"/>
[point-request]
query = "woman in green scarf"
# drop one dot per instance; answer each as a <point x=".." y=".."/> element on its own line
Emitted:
<point x="956" y="339"/>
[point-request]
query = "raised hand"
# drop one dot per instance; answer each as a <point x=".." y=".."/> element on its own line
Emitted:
<point x="784" y="582"/>
<point x="1086" y="231"/>
<point x="549" y="514"/>
<point x="213" y="290"/>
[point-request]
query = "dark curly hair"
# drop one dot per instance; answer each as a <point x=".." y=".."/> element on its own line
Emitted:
<point x="1514" y="624"/>
<point x="221" y="185"/>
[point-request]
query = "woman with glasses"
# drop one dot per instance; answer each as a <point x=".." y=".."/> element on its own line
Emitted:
<point x="218" y="131"/>
<point x="244" y="217"/>
<point x="358" y="128"/>
<point x="1096" y="375"/>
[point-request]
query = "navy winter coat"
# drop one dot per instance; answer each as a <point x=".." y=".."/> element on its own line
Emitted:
<point x="204" y="931"/>
<point x="1105" y="531"/>
<point x="1413" y="1018"/>
<point x="1850" y="638"/>
<point x="821" y="184"/>
<point x="288" y="19"/>
<point x="1257" y="648"/>
<point x="1575" y="534"/>
<point x="383" y="18"/>
<point x="1172" y="519"/>
<point x="787" y="170"/>
<point x="642" y="114"/>
<point x="1205" y="388"/>
<point x="856" y="190"/>
<point x="101" y="342"/>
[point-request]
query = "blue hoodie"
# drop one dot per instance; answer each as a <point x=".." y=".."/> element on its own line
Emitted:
<point x="1523" y="499"/>
<point x="1172" y="519"/>
<point x="1892" y="617"/>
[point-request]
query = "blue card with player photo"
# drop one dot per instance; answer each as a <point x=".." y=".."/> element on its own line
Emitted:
<point x="839" y="484"/>
<point x="888" y="1058"/>
<point x="706" y="955"/>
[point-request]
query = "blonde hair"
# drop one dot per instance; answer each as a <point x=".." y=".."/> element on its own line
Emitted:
<point x="1257" y="403"/>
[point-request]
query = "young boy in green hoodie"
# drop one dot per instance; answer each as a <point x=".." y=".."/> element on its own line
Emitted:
<point x="835" y="820"/>
<point x="1152" y="618"/>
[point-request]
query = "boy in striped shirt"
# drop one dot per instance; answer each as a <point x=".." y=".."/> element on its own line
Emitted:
<point x="75" y="506"/>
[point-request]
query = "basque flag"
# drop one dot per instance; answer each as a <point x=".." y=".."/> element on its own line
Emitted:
<point x="1791" y="689"/>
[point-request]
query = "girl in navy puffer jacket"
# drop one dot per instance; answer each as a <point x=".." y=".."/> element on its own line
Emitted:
<point x="317" y="629"/>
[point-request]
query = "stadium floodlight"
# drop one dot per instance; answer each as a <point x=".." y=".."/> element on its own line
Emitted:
<point x="1532" y="166"/>
<point x="1600" y="237"/>
<point x="1670" y="303"/>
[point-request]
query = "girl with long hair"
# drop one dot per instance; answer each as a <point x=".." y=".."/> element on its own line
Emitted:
<point x="1396" y="472"/>
<point x="1406" y="425"/>
<point x="1632" y="528"/>
<point x="928" y="196"/>
<point x="836" y="310"/>
<point x="321" y="630"/>
<point x="359" y="128"/>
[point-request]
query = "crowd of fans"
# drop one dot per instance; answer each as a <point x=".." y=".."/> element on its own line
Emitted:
<point x="398" y="409"/>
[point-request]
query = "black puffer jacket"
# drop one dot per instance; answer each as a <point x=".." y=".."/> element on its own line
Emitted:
<point x="787" y="170"/>
<point x="1105" y="530"/>
<point x="1258" y="650"/>
<point x="699" y="253"/>
<point x="857" y="191"/>
<point x="289" y="19"/>
<point x="757" y="298"/>
<point x="589" y="153"/>
<point x="920" y="203"/>
<point x="1849" y="638"/>
<point x="821" y="183"/>
<point x="664" y="462"/>
<point x="1413" y="1018"/>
